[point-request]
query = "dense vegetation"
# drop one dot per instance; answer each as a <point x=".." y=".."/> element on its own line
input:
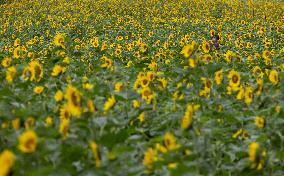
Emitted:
<point x="114" y="87"/>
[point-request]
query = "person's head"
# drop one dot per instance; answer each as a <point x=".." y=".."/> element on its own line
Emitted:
<point x="215" y="37"/>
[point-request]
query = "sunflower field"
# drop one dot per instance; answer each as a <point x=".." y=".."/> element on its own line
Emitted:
<point x="131" y="87"/>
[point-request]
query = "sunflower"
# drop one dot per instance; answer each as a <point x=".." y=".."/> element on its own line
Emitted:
<point x="241" y="93"/>
<point x="248" y="95"/>
<point x="36" y="71"/>
<point x="91" y="106"/>
<point x="144" y="81"/>
<point x="205" y="47"/>
<point x="265" y="54"/>
<point x="73" y="97"/>
<point x="118" y="86"/>
<point x="207" y="84"/>
<point x="10" y="74"/>
<point x="147" y="94"/>
<point x="188" y="50"/>
<point x="235" y="79"/>
<point x="150" y="156"/>
<point x="259" y="122"/>
<point x="150" y="75"/>
<point x="28" y="142"/>
<point x="143" y="48"/>
<point x="187" y="118"/>
<point x="58" y="96"/>
<point x="212" y="32"/>
<point x="6" y="62"/>
<point x="64" y="112"/>
<point x="17" y="52"/>
<point x="141" y="117"/>
<point x="257" y="155"/>
<point x="7" y="160"/>
<point x="57" y="70"/>
<point x="163" y="83"/>
<point x="17" y="42"/>
<point x="118" y="52"/>
<point x="170" y="141"/>
<point x="64" y="127"/>
<point x="104" y="46"/>
<point x="192" y="63"/>
<point x="229" y="55"/>
<point x="259" y="86"/>
<point x="38" y="89"/>
<point x="257" y="70"/>
<point x="136" y="104"/>
<point x="207" y="58"/>
<point x="48" y="121"/>
<point x="107" y="63"/>
<point x="109" y="103"/>
<point x="219" y="77"/>
<point x="59" y="40"/>
<point x="273" y="77"/>
<point x="95" y="42"/>
<point x="30" y="122"/>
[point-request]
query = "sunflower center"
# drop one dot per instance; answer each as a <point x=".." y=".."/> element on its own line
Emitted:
<point x="235" y="78"/>
<point x="29" y="143"/>
<point x="74" y="99"/>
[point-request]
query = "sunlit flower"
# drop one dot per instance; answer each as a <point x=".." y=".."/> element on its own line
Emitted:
<point x="235" y="79"/>
<point x="36" y="71"/>
<point x="38" y="89"/>
<point x="107" y="63"/>
<point x="141" y="117"/>
<point x="205" y="47"/>
<point x="58" y="96"/>
<point x="135" y="103"/>
<point x="91" y="106"/>
<point x="6" y="62"/>
<point x="57" y="70"/>
<point x="187" y="118"/>
<point x="109" y="103"/>
<point x="30" y="122"/>
<point x="16" y="123"/>
<point x="28" y="142"/>
<point x="48" y="121"/>
<point x="248" y="95"/>
<point x="7" y="161"/>
<point x="59" y="40"/>
<point x="273" y="77"/>
<point x="188" y="50"/>
<point x="118" y="86"/>
<point x="17" y="53"/>
<point x="259" y="122"/>
<point x="64" y="127"/>
<point x="73" y="97"/>
<point x="150" y="156"/>
<point x="219" y="77"/>
<point x="10" y="74"/>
